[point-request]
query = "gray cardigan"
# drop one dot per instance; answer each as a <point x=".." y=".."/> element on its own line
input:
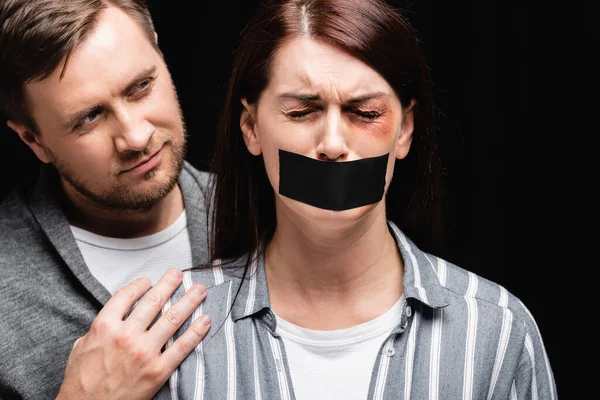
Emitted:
<point x="48" y="297"/>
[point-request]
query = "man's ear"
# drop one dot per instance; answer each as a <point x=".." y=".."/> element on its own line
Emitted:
<point x="248" y="127"/>
<point x="30" y="139"/>
<point x="407" y="127"/>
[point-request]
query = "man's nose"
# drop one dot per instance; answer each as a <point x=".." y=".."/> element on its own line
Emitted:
<point x="134" y="132"/>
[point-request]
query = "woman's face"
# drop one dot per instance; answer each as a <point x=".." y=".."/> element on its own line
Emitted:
<point x="325" y="104"/>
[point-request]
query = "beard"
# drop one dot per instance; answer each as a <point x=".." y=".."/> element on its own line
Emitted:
<point x="123" y="197"/>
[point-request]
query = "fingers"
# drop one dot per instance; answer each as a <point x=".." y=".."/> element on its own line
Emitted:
<point x="152" y="302"/>
<point x="173" y="318"/>
<point x="123" y="299"/>
<point x="176" y="353"/>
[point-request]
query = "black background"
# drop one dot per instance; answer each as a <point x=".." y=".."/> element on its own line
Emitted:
<point x="496" y="67"/>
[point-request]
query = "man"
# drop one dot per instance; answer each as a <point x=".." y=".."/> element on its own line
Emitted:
<point x="85" y="86"/>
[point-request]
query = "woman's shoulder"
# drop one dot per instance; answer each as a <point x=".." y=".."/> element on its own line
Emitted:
<point x="218" y="271"/>
<point x="461" y="284"/>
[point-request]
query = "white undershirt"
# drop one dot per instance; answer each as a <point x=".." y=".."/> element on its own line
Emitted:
<point x="336" y="364"/>
<point x="116" y="262"/>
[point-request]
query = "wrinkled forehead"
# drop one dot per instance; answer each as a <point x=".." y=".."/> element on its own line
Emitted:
<point x="307" y="65"/>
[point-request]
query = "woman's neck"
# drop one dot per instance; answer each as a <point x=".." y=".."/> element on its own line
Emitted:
<point x="332" y="278"/>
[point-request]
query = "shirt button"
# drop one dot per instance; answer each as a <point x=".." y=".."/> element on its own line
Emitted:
<point x="408" y="311"/>
<point x="390" y="351"/>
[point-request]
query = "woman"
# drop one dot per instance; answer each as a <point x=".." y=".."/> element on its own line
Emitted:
<point x="316" y="291"/>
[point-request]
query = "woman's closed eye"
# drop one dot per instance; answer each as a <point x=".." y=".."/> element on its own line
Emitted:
<point x="367" y="115"/>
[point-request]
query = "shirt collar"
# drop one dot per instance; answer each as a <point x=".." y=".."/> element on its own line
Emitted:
<point x="420" y="280"/>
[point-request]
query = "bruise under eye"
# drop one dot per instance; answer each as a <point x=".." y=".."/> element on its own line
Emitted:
<point x="382" y="127"/>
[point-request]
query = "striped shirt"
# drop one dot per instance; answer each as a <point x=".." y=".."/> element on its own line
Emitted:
<point x="460" y="337"/>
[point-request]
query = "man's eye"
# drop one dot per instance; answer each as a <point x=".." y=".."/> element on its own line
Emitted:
<point x="89" y="118"/>
<point x="141" y="88"/>
<point x="143" y="84"/>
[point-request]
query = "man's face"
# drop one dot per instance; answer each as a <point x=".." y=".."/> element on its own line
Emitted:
<point x="111" y="125"/>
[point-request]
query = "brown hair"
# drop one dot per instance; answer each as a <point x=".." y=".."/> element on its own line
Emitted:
<point x="243" y="214"/>
<point x="36" y="36"/>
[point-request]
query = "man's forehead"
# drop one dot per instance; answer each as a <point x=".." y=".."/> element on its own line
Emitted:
<point x="104" y="64"/>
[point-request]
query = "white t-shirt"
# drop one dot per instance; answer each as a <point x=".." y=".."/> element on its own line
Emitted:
<point x="116" y="262"/>
<point x="336" y="364"/>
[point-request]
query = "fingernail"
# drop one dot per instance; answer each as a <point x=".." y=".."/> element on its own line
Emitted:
<point x="198" y="288"/>
<point x="176" y="272"/>
<point x="203" y="319"/>
<point x="145" y="280"/>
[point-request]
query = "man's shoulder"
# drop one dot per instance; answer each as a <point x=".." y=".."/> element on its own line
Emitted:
<point x="15" y="216"/>
<point x="15" y="207"/>
<point x="17" y="197"/>
<point x="194" y="176"/>
<point x="23" y="243"/>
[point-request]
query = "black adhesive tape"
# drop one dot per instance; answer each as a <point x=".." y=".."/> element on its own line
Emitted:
<point x="332" y="185"/>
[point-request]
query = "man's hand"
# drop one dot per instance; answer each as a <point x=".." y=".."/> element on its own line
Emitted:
<point x="121" y="356"/>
